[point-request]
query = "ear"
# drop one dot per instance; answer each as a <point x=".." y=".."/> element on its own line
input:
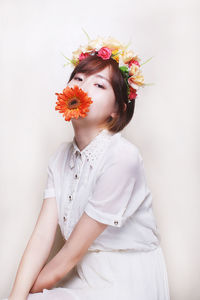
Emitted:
<point x="125" y="106"/>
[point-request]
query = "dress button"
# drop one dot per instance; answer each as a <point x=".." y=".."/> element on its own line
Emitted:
<point x="64" y="218"/>
<point x="115" y="222"/>
<point x="70" y="198"/>
<point x="76" y="176"/>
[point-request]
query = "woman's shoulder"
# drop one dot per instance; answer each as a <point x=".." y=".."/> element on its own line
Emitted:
<point x="60" y="152"/>
<point x="123" y="151"/>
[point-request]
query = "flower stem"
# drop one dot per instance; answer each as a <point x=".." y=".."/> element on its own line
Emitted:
<point x="86" y="34"/>
<point x="146" y="61"/>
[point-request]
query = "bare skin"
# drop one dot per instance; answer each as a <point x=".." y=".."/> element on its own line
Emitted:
<point x="103" y="106"/>
<point x="37" y="250"/>
<point x="33" y="275"/>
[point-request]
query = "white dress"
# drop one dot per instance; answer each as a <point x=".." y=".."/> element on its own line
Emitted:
<point x="107" y="181"/>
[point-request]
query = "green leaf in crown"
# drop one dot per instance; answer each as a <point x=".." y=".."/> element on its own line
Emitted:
<point x="125" y="72"/>
<point x="124" y="68"/>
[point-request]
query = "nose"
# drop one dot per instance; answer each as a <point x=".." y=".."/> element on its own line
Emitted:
<point x="84" y="85"/>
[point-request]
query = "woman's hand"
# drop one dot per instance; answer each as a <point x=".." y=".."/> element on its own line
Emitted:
<point x="17" y="298"/>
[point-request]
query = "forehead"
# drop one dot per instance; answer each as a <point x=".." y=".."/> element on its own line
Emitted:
<point x="106" y="73"/>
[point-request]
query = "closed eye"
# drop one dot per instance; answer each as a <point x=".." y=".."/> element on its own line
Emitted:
<point x="99" y="85"/>
<point x="77" y="78"/>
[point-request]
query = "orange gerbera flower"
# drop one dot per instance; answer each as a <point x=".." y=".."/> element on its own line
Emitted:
<point x="73" y="102"/>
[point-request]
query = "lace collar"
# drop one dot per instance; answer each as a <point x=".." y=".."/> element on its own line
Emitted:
<point x="93" y="149"/>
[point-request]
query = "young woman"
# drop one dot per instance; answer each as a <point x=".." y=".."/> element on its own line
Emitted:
<point x="98" y="194"/>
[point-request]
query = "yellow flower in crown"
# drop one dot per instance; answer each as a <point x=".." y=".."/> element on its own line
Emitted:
<point x="115" y="55"/>
<point x="128" y="61"/>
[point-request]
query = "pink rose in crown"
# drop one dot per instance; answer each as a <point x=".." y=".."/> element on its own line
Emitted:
<point x="133" y="62"/>
<point x="83" y="56"/>
<point x="104" y="53"/>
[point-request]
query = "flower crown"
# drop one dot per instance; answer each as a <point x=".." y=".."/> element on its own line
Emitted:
<point x="128" y="61"/>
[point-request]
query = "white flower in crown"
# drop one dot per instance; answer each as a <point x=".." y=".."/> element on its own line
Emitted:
<point x="76" y="53"/>
<point x="121" y="62"/>
<point x="84" y="48"/>
<point x="113" y="44"/>
<point x="95" y="44"/>
<point x="127" y="55"/>
<point x="132" y="84"/>
<point x="134" y="70"/>
<point x="136" y="80"/>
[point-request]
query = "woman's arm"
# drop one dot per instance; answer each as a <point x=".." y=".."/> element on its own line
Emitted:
<point x="37" y="250"/>
<point x="84" y="233"/>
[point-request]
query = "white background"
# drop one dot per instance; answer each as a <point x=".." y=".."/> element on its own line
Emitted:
<point x="165" y="125"/>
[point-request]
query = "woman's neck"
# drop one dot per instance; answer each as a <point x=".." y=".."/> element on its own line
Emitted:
<point x="84" y="136"/>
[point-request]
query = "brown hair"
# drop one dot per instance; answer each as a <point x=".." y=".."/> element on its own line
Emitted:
<point x="93" y="64"/>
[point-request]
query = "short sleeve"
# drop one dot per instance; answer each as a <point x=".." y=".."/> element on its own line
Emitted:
<point x="117" y="191"/>
<point x="49" y="191"/>
<point x="50" y="188"/>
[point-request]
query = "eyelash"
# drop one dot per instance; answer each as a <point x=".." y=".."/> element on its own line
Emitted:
<point x="101" y="86"/>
